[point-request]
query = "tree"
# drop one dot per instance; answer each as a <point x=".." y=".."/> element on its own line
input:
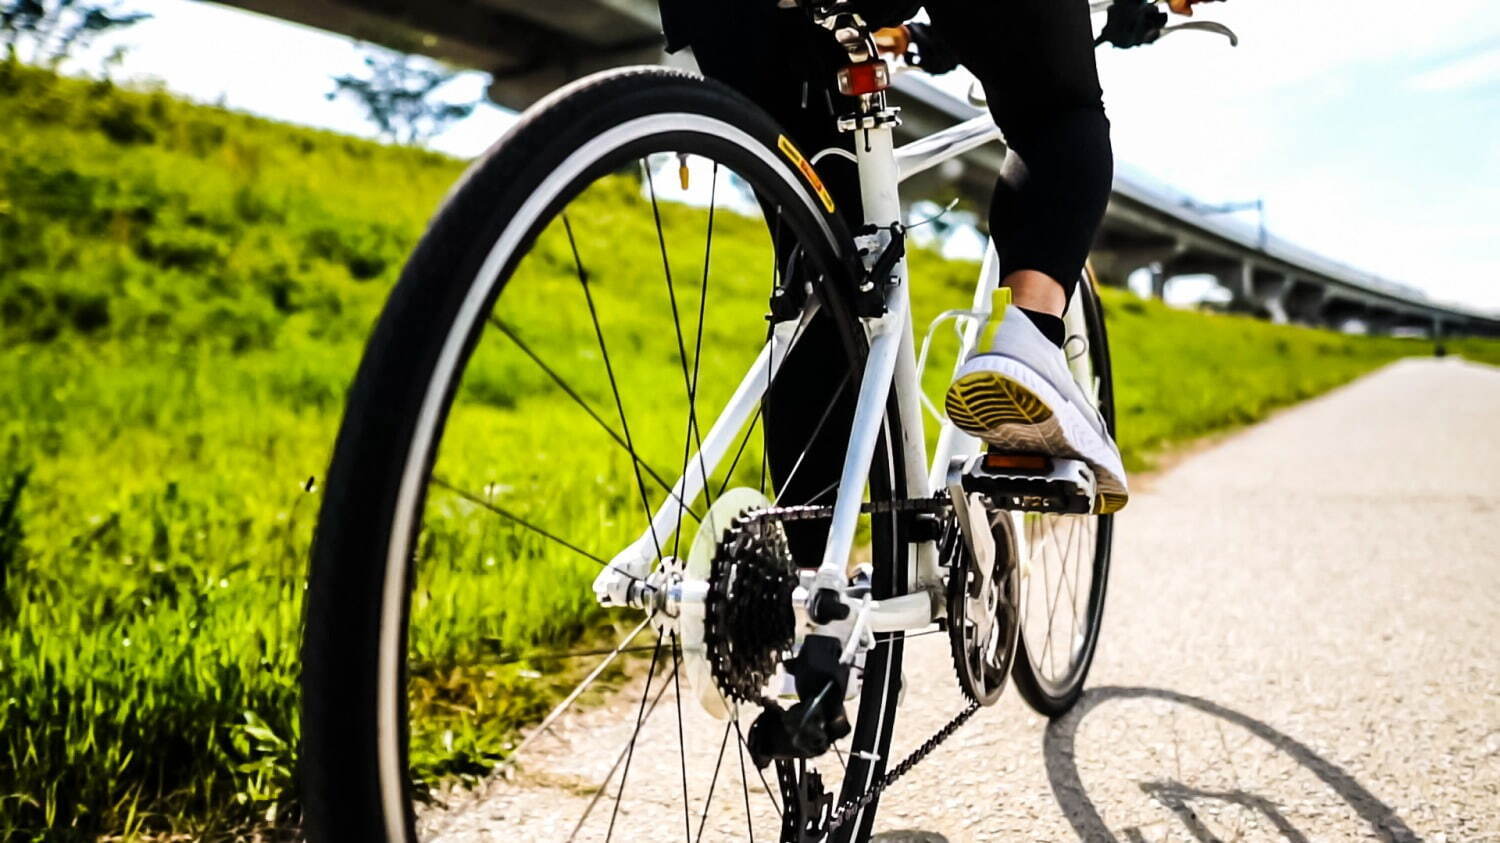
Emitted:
<point x="54" y="29"/>
<point x="399" y="95"/>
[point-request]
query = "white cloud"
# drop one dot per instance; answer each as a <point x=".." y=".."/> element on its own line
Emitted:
<point x="1468" y="72"/>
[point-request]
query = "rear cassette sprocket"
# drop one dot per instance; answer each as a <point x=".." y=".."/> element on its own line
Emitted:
<point x="748" y="622"/>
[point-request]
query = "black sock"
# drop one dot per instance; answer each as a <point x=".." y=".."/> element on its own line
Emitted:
<point x="1050" y="326"/>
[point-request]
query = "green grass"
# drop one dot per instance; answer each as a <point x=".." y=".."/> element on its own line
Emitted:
<point x="184" y="294"/>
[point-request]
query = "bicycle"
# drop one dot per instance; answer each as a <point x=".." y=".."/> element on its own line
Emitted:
<point x="415" y="540"/>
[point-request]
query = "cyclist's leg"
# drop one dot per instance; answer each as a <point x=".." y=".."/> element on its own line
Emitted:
<point x="1035" y="59"/>
<point x="783" y="63"/>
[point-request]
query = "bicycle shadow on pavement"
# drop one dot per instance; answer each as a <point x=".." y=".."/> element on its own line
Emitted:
<point x="1160" y="763"/>
<point x="908" y="836"/>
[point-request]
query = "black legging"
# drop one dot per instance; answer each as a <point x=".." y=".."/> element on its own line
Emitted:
<point x="1035" y="59"/>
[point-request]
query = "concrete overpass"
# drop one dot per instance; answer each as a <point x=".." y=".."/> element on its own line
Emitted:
<point x="531" y="48"/>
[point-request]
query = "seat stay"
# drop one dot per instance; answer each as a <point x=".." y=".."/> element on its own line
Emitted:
<point x="612" y="587"/>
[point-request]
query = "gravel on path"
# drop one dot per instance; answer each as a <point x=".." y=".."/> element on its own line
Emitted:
<point x="1301" y="642"/>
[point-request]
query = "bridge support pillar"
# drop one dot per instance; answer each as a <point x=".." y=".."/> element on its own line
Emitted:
<point x="1238" y="281"/>
<point x="1227" y="272"/>
<point x="1381" y="321"/>
<point x="1304" y="302"/>
<point x="1347" y="315"/>
<point x="1267" y="294"/>
<point x="1158" y="282"/>
<point x="1116" y="262"/>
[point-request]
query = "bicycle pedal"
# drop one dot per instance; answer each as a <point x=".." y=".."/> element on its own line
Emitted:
<point x="1032" y="482"/>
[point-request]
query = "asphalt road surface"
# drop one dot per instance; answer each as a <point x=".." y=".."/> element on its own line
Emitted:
<point x="1301" y="643"/>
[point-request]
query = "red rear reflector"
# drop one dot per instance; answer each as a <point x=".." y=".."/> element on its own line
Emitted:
<point x="1024" y="462"/>
<point x="864" y="78"/>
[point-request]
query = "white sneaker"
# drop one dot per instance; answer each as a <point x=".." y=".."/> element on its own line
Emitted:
<point x="1020" y="397"/>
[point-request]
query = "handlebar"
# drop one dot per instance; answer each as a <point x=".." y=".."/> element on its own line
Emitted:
<point x="1203" y="26"/>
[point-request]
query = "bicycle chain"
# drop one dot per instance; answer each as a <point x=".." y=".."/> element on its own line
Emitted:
<point x="812" y="512"/>
<point x="848" y="807"/>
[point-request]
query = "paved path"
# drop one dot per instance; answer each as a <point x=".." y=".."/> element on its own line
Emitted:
<point x="1301" y="643"/>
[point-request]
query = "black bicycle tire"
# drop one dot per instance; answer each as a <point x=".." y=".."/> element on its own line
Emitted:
<point x="341" y="788"/>
<point x="1028" y="685"/>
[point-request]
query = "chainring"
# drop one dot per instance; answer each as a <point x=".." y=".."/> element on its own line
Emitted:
<point x="982" y="614"/>
<point x="748" y="622"/>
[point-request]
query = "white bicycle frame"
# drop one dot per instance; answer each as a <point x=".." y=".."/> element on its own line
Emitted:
<point x="892" y="363"/>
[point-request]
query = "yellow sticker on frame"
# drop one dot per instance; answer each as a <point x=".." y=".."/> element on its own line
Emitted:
<point x="795" y="156"/>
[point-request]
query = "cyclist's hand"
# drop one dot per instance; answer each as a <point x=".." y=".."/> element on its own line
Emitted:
<point x="919" y="45"/>
<point x="893" y="40"/>
<point x="1185" y="7"/>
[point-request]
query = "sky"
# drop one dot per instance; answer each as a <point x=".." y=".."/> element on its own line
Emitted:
<point x="1371" y="128"/>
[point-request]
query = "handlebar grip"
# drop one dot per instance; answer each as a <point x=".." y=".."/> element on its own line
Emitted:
<point x="1132" y="23"/>
<point x="1135" y="23"/>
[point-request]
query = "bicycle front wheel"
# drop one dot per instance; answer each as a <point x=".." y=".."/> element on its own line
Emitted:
<point x="570" y="338"/>
<point x="1065" y="558"/>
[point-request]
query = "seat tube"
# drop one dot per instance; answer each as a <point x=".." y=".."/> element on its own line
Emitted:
<point x="880" y="177"/>
<point x="890" y="339"/>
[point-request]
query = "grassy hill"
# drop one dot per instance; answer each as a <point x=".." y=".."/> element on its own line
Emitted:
<point x="184" y="294"/>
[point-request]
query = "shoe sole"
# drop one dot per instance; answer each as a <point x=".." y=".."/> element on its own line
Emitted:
<point x="1010" y="406"/>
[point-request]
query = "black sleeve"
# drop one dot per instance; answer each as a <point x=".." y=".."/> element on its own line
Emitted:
<point x="679" y="22"/>
<point x="888" y="12"/>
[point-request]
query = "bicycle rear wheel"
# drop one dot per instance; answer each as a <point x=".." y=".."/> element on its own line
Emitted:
<point x="557" y="348"/>
<point x="1065" y="558"/>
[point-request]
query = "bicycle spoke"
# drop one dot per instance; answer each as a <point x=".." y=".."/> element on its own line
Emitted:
<point x="1057" y="593"/>
<point x="640" y="717"/>
<point x="708" y="247"/>
<point x="822" y="420"/>
<point x="713" y="782"/>
<point x="604" y="785"/>
<point x="1064" y="584"/>
<point x="511" y="516"/>
<point x="770" y="794"/>
<point x="558" y="655"/>
<point x="688" y="381"/>
<point x="687" y="823"/>
<point x="614" y="387"/>
<point x="1071" y="545"/>
<point x="1047" y="596"/>
<point x="819" y="496"/>
<point x="760" y="415"/>
<point x="568" y="701"/>
<point x="587" y="408"/>
<point x="734" y="463"/>
<point x="744" y="781"/>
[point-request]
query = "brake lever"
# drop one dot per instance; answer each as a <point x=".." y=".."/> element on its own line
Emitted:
<point x="1202" y="26"/>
